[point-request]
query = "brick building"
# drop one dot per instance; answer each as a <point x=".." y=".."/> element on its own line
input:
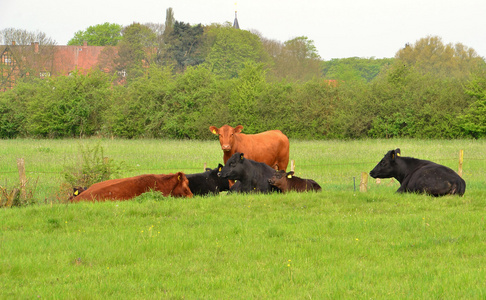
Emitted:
<point x="42" y="61"/>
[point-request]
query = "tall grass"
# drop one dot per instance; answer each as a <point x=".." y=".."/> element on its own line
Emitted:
<point x="339" y="243"/>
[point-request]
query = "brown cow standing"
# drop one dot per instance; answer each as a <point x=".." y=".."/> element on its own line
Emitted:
<point x="288" y="182"/>
<point x="175" y="185"/>
<point x="269" y="147"/>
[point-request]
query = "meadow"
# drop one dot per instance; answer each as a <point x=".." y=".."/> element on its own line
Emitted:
<point x="340" y="243"/>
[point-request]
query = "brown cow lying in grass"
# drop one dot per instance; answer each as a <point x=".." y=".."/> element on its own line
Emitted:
<point x="175" y="185"/>
<point x="288" y="182"/>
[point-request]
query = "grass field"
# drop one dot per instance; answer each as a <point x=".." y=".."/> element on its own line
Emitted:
<point x="339" y="243"/>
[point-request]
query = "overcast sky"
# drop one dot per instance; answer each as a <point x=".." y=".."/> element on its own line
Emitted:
<point x="339" y="28"/>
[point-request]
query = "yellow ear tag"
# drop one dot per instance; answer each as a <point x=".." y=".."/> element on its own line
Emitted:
<point x="179" y="177"/>
<point x="214" y="131"/>
<point x="289" y="176"/>
<point x="219" y="169"/>
<point x="76" y="192"/>
<point x="393" y="156"/>
<point x="398" y="154"/>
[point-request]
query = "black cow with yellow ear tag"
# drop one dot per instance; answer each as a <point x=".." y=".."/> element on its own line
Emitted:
<point x="419" y="176"/>
<point x="251" y="176"/>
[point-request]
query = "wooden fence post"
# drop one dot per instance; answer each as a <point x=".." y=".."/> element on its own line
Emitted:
<point x="292" y="165"/>
<point x="461" y="159"/>
<point x="22" y="176"/>
<point x="363" y="185"/>
<point x="205" y="166"/>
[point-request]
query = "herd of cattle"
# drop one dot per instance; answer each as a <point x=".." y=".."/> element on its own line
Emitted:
<point x="258" y="163"/>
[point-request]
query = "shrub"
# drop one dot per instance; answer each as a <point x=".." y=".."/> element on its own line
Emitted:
<point x="93" y="167"/>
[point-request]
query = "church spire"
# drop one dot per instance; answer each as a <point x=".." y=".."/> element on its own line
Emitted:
<point x="235" y="23"/>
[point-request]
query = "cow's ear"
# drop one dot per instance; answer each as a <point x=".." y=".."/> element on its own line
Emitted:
<point x="290" y="174"/>
<point x="238" y="128"/>
<point x="76" y="191"/>
<point x="179" y="176"/>
<point x="220" y="166"/>
<point x="242" y="156"/>
<point x="397" y="152"/>
<point x="214" y="129"/>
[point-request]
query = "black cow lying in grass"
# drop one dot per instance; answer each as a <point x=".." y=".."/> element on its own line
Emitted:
<point x="287" y="182"/>
<point x="251" y="176"/>
<point x="207" y="182"/>
<point x="419" y="176"/>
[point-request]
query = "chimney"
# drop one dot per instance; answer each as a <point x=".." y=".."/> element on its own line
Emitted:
<point x="36" y="47"/>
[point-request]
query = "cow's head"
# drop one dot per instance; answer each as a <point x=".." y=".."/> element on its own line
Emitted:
<point x="279" y="179"/>
<point x="181" y="188"/>
<point x="233" y="169"/>
<point x="214" y="177"/>
<point x="226" y="135"/>
<point x="387" y="167"/>
<point x="76" y="191"/>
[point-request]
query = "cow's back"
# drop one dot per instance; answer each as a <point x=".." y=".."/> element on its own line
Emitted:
<point x="269" y="147"/>
<point x="436" y="180"/>
<point x="117" y="189"/>
<point x="127" y="188"/>
<point x="301" y="185"/>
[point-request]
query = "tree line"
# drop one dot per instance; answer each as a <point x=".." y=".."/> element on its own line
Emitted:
<point x="193" y="76"/>
<point x="400" y="102"/>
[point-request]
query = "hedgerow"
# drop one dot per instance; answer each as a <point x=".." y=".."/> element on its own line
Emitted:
<point x="400" y="102"/>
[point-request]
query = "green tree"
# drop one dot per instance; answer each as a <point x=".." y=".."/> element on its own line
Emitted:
<point x="246" y="96"/>
<point x="169" y="22"/>
<point x="404" y="102"/>
<point x="474" y="119"/>
<point x="13" y="110"/>
<point x="107" y="34"/>
<point x="354" y="68"/>
<point x="229" y="49"/>
<point x="183" y="45"/>
<point x="135" y="50"/>
<point x="297" y="60"/>
<point x="137" y="110"/>
<point x="430" y="55"/>
<point x="67" y="106"/>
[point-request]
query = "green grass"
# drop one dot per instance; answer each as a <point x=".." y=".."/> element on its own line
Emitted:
<point x="339" y="243"/>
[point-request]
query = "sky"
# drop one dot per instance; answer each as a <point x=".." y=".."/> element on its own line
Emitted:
<point x="339" y="28"/>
